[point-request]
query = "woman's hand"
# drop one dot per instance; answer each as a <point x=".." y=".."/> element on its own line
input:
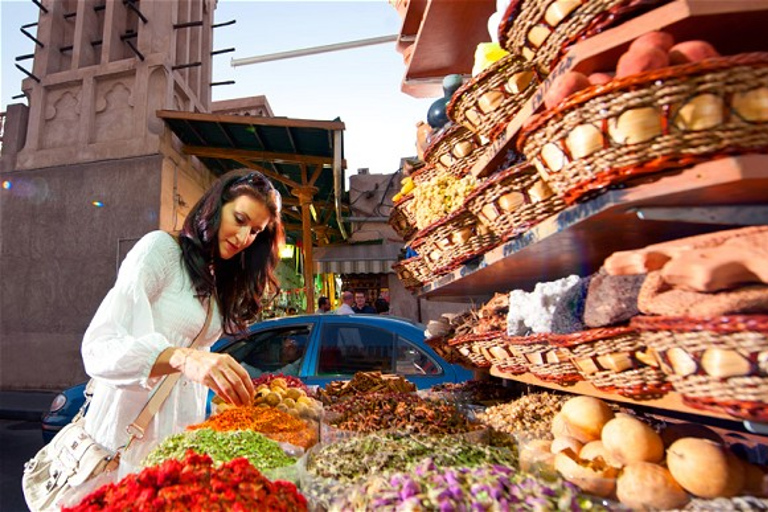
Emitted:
<point x="220" y="372"/>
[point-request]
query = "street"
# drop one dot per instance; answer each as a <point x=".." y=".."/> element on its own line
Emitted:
<point x="20" y="440"/>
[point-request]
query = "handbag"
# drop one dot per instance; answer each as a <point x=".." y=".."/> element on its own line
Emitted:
<point x="73" y="457"/>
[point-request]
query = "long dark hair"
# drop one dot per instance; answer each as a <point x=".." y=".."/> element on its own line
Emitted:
<point x="240" y="282"/>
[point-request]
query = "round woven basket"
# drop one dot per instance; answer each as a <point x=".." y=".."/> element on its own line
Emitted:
<point x="412" y="272"/>
<point x="513" y="200"/>
<point x="666" y="118"/>
<point x="487" y="102"/>
<point x="491" y="347"/>
<point x="454" y="151"/>
<point x="425" y="173"/>
<point x="542" y="31"/>
<point x="716" y="363"/>
<point x="613" y="360"/>
<point x="453" y="240"/>
<point x="402" y="217"/>
<point x="547" y="362"/>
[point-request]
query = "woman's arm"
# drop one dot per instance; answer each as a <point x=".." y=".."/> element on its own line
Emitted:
<point x="220" y="372"/>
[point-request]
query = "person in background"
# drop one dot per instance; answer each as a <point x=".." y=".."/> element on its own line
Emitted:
<point x="291" y="311"/>
<point x="360" y="305"/>
<point x="381" y="306"/>
<point x="323" y="305"/>
<point x="347" y="300"/>
<point x="291" y="355"/>
<point x="224" y="258"/>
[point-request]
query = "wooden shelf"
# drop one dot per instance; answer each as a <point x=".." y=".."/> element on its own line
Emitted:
<point x="578" y="239"/>
<point x="715" y="21"/>
<point x="669" y="402"/>
<point x="448" y="34"/>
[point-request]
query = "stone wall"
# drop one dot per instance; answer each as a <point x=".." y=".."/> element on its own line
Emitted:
<point x="60" y="256"/>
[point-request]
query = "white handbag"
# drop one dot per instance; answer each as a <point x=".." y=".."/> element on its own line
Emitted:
<point x="73" y="457"/>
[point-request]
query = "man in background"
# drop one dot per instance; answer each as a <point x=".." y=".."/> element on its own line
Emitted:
<point x="347" y="300"/>
<point x="323" y="305"/>
<point x="360" y="305"/>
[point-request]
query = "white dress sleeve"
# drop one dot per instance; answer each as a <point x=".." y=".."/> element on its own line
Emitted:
<point x="121" y="344"/>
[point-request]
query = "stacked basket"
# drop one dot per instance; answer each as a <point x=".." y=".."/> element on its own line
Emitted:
<point x="667" y="118"/>
<point x="513" y="200"/>
<point x="613" y="360"/>
<point x="487" y="103"/>
<point x="542" y="31"/>
<point x="716" y="363"/>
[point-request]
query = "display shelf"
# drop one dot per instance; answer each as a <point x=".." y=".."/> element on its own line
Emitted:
<point x="578" y="239"/>
<point x="411" y="23"/>
<point x="670" y="407"/>
<point x="671" y="401"/>
<point x="684" y="19"/>
<point x="448" y="34"/>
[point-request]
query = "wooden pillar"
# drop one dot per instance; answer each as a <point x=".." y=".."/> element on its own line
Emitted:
<point x="305" y="195"/>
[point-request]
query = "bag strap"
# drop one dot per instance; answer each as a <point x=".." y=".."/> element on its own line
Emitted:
<point x="163" y="390"/>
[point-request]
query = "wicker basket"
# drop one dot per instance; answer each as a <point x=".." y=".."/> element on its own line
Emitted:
<point x="453" y="240"/>
<point x="542" y="31"/>
<point x="520" y="186"/>
<point x="402" y="217"/>
<point x="486" y="103"/>
<point x="716" y="363"/>
<point x="666" y="118"/>
<point x="470" y="347"/>
<point x="613" y="360"/>
<point x="424" y="174"/>
<point x="412" y="272"/>
<point x="491" y="348"/>
<point x="454" y="151"/>
<point x="547" y="362"/>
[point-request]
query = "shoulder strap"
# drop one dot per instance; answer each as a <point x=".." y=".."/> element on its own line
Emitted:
<point x="163" y="390"/>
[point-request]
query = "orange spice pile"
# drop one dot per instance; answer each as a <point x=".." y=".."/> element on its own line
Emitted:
<point x="271" y="422"/>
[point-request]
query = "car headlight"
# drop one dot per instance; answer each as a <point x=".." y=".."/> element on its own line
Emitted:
<point x="58" y="402"/>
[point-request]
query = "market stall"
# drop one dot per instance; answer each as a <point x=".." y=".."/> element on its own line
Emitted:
<point x="593" y="134"/>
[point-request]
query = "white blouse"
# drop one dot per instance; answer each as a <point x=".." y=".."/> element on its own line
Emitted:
<point x="151" y="307"/>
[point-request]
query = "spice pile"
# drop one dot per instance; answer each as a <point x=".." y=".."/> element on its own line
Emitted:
<point x="221" y="447"/>
<point x="531" y="413"/>
<point x="292" y="400"/>
<point x="284" y="380"/>
<point x="477" y="391"/>
<point x="363" y="456"/>
<point x="402" y="412"/>
<point x="194" y="483"/>
<point x="364" y="383"/>
<point x="488" y="487"/>
<point x="270" y="421"/>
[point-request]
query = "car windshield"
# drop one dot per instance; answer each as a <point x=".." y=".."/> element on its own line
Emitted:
<point x="273" y="351"/>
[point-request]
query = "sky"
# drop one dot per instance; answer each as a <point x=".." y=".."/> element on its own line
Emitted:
<point x="360" y="86"/>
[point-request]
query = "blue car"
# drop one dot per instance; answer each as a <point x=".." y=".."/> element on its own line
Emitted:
<point x="318" y="349"/>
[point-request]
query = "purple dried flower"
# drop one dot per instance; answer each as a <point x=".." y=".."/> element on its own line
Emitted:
<point x="409" y="489"/>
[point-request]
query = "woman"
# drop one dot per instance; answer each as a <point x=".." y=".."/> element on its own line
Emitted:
<point x="226" y="253"/>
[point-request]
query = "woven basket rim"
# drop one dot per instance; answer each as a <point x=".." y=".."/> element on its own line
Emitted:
<point x="497" y="177"/>
<point x="407" y="197"/>
<point x="690" y="69"/>
<point x="445" y="135"/>
<point x="422" y="170"/>
<point x="508" y="18"/>
<point x="422" y="234"/>
<point x="470" y="338"/>
<point x="589" y="336"/>
<point x="474" y="81"/>
<point x="720" y="324"/>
